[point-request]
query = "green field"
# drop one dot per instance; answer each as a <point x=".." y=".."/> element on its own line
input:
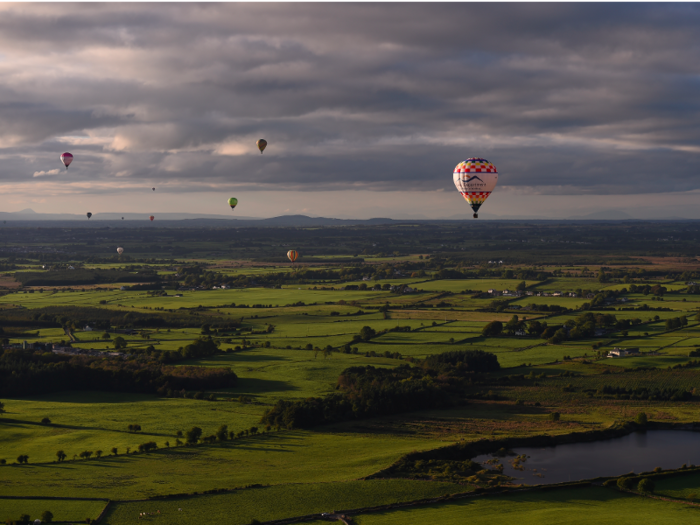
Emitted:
<point x="62" y="510"/>
<point x="582" y="506"/>
<point x="263" y="504"/>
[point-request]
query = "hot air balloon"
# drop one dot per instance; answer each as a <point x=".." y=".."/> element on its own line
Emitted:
<point x="293" y="255"/>
<point x="151" y="217"/>
<point x="120" y="250"/>
<point x="122" y="218"/>
<point x="232" y="202"/>
<point x="89" y="215"/>
<point x="475" y="179"/>
<point x="153" y="189"/>
<point x="66" y="158"/>
<point x="262" y="144"/>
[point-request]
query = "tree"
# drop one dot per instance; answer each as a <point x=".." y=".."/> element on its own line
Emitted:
<point x="106" y="336"/>
<point x="646" y="485"/>
<point x="46" y="516"/>
<point x="114" y="451"/>
<point x="119" y="342"/>
<point x="60" y="455"/>
<point x="222" y="433"/>
<point x="193" y="435"/>
<point x="46" y="421"/>
<point x="2" y="405"/>
<point x="24" y="518"/>
<point x="367" y="333"/>
<point x="624" y="483"/>
<point x="641" y="419"/>
<point x="98" y="453"/>
<point x="555" y="416"/>
<point x="492" y="329"/>
<point x="521" y="286"/>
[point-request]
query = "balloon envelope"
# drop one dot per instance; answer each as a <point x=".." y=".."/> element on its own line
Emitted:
<point x="293" y="255"/>
<point x="475" y="179"/>
<point x="89" y="215"/>
<point x="232" y="202"/>
<point x="151" y="217"/>
<point x="153" y="189"/>
<point x="66" y="158"/>
<point x="120" y="250"/>
<point x="262" y="144"/>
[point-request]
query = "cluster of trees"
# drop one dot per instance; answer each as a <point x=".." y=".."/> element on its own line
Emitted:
<point x="583" y="327"/>
<point x="25" y="519"/>
<point x="23" y="373"/>
<point x="676" y="322"/>
<point x="366" y="391"/>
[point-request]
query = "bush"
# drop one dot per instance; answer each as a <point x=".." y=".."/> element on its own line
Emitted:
<point x="555" y="416"/>
<point x="46" y="421"/>
<point x="646" y="485"/>
<point x="641" y="419"/>
<point x="46" y="516"/>
<point x="624" y="483"/>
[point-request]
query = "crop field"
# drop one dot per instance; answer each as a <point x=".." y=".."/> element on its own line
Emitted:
<point x="290" y="334"/>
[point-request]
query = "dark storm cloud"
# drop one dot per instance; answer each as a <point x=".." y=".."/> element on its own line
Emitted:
<point x="564" y="98"/>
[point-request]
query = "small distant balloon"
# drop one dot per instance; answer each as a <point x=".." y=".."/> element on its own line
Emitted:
<point x="120" y="250"/>
<point x="151" y="217"/>
<point x="232" y="202"/>
<point x="66" y="158"/>
<point x="89" y="215"/>
<point x="262" y="144"/>
<point x="122" y="218"/>
<point x="153" y="189"/>
<point x="293" y="255"/>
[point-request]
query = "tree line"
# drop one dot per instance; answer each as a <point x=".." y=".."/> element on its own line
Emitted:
<point x="23" y="373"/>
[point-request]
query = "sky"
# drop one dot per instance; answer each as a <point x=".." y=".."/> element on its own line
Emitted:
<point x="366" y="107"/>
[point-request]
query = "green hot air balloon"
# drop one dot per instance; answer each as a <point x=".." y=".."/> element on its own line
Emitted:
<point x="232" y="202"/>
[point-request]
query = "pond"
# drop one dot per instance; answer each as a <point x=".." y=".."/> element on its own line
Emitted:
<point x="638" y="452"/>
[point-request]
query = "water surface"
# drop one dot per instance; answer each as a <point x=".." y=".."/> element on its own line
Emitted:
<point x="638" y="452"/>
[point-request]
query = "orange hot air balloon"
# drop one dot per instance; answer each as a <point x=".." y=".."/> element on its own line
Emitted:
<point x="293" y="255"/>
<point x="151" y="217"/>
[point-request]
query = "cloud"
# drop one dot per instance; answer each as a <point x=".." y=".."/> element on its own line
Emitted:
<point x="45" y="173"/>
<point x="565" y="99"/>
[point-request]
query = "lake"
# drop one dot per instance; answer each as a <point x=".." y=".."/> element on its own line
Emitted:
<point x="638" y="452"/>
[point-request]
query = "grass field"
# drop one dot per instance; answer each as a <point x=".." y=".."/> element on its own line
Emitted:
<point x="62" y="510"/>
<point x="582" y="506"/>
<point x="269" y="503"/>
<point x="275" y="458"/>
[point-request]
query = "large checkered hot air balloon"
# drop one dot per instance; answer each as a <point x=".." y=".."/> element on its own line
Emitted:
<point x="475" y="179"/>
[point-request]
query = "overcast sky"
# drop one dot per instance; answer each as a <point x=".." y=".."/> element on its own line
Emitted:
<point x="366" y="108"/>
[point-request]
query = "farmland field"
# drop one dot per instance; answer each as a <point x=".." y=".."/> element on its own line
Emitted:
<point x="290" y="391"/>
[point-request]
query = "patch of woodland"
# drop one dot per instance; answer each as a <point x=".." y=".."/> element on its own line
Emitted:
<point x="365" y="391"/>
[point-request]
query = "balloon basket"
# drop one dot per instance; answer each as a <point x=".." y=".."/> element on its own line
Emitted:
<point x="476" y="215"/>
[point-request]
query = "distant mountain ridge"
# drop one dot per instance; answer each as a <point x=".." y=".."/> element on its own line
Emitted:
<point x="191" y="219"/>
